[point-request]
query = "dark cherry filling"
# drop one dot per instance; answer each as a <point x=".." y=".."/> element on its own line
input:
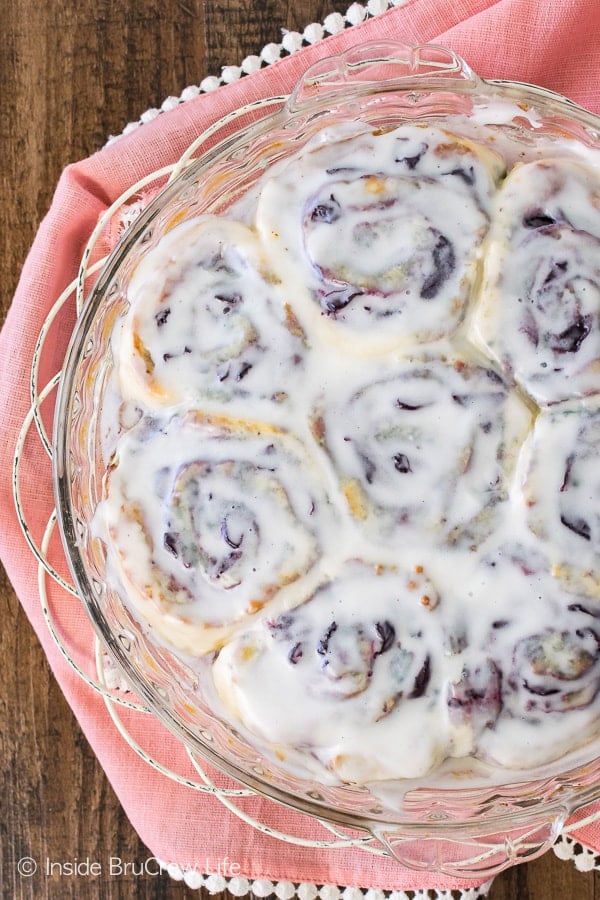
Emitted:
<point x="227" y="537"/>
<point x="422" y="680"/>
<point x="530" y="329"/>
<point x="568" y="469"/>
<point x="558" y="269"/>
<point x="161" y="317"/>
<point x="579" y="607"/>
<point x="387" y="635"/>
<point x="339" y="170"/>
<point x="323" y="645"/>
<point x="409" y="407"/>
<point x="296" y="653"/>
<point x="538" y="219"/>
<point x="578" y="526"/>
<point x="467" y="175"/>
<point x="444" y="262"/>
<point x="411" y="162"/>
<point x="328" y="213"/>
<point x="478" y="694"/>
<point x="171" y="543"/>
<point x="243" y="371"/>
<point x="335" y="300"/>
<point x="571" y="339"/>
<point x="238" y="370"/>
<point x="402" y="463"/>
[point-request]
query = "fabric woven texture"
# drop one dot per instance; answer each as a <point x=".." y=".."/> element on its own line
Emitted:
<point x="556" y="45"/>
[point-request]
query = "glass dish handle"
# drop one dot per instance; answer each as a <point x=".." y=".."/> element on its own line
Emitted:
<point x="473" y="853"/>
<point x="383" y="64"/>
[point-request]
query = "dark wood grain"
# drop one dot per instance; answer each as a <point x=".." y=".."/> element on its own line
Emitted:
<point x="73" y="73"/>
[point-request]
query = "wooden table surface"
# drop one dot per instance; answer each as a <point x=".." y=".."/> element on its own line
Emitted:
<point x="73" y="72"/>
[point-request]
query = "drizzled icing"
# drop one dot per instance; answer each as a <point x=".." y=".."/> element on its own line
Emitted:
<point x="209" y="520"/>
<point x="538" y="314"/>
<point x="202" y="315"/>
<point x="355" y="480"/>
<point x="400" y="484"/>
<point x="351" y="661"/>
<point x="361" y="247"/>
<point x="561" y="492"/>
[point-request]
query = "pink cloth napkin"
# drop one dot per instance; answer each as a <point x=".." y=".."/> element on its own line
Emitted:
<point x="556" y="45"/>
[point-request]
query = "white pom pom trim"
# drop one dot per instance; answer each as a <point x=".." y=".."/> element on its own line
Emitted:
<point x="271" y="53"/>
<point x="291" y="42"/>
<point x="238" y="886"/>
<point x="313" y="33"/>
<point x="334" y="23"/>
<point x="231" y="73"/>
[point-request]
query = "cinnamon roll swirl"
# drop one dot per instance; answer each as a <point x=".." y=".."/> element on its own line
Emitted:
<point x="352" y="682"/>
<point x="532" y="661"/>
<point x="539" y="313"/>
<point x="378" y="268"/>
<point x="427" y="453"/>
<point x="209" y="524"/>
<point x="561" y="492"/>
<point x="203" y="314"/>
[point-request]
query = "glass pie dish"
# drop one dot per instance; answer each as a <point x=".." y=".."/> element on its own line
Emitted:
<point x="464" y="818"/>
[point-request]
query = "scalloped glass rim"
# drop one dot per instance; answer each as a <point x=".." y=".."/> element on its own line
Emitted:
<point x="558" y="792"/>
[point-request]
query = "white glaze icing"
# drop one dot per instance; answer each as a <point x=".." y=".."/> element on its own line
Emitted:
<point x="361" y="247"/>
<point x="561" y="492"/>
<point x="538" y="313"/>
<point x="362" y="536"/>
<point x="202" y="315"/>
